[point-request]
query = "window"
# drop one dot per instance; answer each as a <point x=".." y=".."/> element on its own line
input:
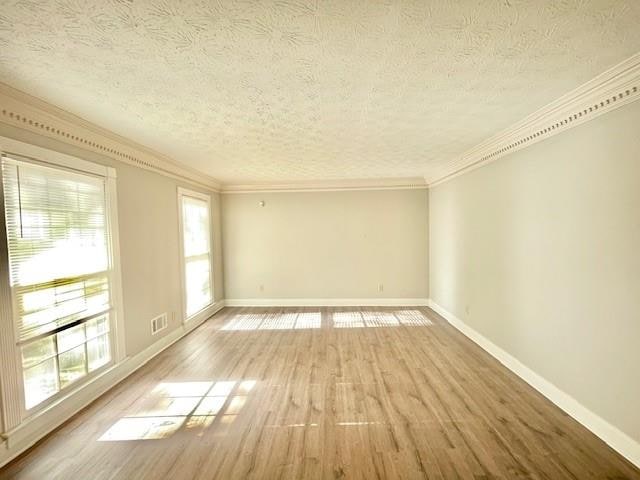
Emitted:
<point x="196" y="249"/>
<point x="60" y="265"/>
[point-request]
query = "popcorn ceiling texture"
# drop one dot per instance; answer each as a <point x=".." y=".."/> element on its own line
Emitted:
<point x="286" y="90"/>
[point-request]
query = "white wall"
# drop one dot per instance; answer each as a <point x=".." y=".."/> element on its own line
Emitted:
<point x="326" y="245"/>
<point x="540" y="253"/>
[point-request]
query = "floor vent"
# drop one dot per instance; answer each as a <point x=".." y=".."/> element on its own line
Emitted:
<point x="159" y="323"/>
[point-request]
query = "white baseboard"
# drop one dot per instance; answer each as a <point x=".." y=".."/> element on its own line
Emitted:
<point x="33" y="429"/>
<point x="326" y="302"/>
<point x="615" y="438"/>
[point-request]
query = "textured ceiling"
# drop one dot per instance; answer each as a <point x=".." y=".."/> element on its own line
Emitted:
<point x="286" y="90"/>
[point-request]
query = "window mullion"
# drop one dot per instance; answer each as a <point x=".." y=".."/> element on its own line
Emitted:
<point x="66" y="326"/>
<point x="57" y="359"/>
<point x="200" y="256"/>
<point x="86" y="350"/>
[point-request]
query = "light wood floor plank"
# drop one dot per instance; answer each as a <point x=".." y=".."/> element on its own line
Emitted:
<point x="322" y="393"/>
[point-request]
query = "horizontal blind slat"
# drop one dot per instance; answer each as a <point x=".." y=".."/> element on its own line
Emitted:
<point x="58" y="245"/>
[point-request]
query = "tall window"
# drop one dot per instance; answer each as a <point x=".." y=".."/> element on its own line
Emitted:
<point x="59" y="260"/>
<point x="196" y="245"/>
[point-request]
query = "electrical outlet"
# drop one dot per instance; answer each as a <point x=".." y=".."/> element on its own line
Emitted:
<point x="380" y="287"/>
<point x="262" y="288"/>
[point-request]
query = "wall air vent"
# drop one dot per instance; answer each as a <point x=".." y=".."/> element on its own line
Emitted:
<point x="159" y="323"/>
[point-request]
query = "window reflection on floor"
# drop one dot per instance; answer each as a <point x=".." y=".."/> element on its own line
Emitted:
<point x="347" y="320"/>
<point x="170" y="406"/>
<point x="274" y="321"/>
<point x="339" y="319"/>
<point x="377" y="318"/>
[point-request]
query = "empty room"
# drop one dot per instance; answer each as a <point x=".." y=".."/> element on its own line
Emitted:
<point x="308" y="239"/>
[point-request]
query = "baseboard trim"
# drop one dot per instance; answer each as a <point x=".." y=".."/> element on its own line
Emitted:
<point x="615" y="438"/>
<point x="326" y="302"/>
<point x="35" y="428"/>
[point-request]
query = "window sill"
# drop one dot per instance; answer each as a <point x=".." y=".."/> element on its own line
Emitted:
<point x="69" y="401"/>
<point x="203" y="314"/>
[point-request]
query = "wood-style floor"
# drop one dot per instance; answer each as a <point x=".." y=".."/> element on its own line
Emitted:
<point x="322" y="393"/>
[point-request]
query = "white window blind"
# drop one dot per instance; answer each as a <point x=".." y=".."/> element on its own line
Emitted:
<point x="59" y="272"/>
<point x="197" y="254"/>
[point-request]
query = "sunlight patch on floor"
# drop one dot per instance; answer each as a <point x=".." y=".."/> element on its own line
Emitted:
<point x="274" y="321"/>
<point x="377" y="319"/>
<point x="172" y="405"/>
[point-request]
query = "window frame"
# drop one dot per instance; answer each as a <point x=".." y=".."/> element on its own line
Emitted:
<point x="12" y="379"/>
<point x="185" y="192"/>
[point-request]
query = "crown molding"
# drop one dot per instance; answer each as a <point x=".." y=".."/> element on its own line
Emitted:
<point x="407" y="183"/>
<point x="26" y="112"/>
<point x="612" y="89"/>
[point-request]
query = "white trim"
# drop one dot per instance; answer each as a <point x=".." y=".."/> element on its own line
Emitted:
<point x="40" y="425"/>
<point x="326" y="302"/>
<point x="26" y="112"/>
<point x="119" y="340"/>
<point x="51" y="157"/>
<point x="199" y="317"/>
<point x="184" y="192"/>
<point x="330" y="185"/>
<point x="10" y="375"/>
<point x="615" y="438"/>
<point x="612" y="89"/>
